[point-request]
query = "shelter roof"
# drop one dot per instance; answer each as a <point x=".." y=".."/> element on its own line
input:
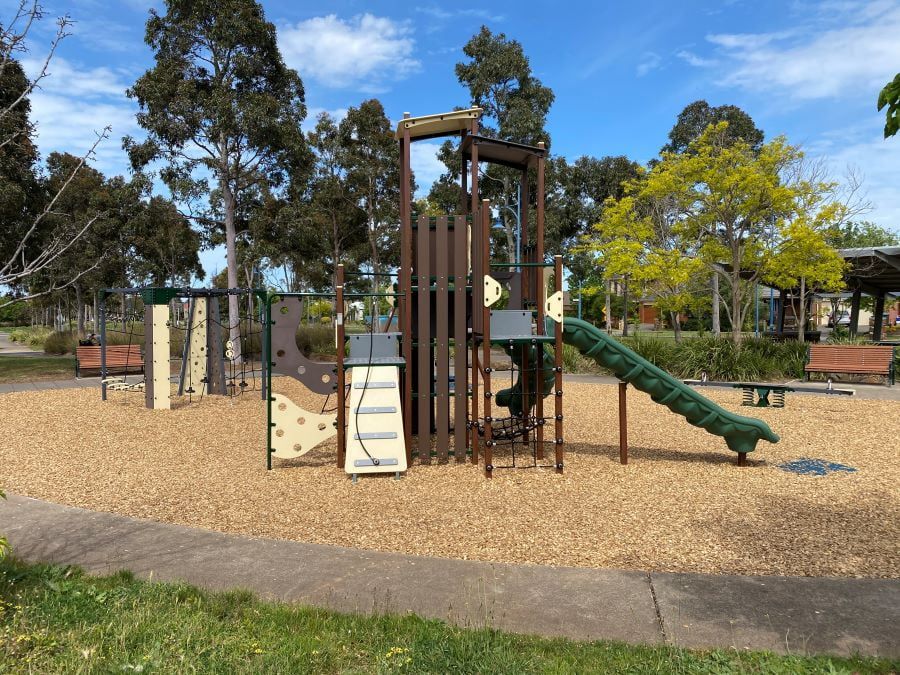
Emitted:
<point x="435" y="126"/>
<point x="505" y="153"/>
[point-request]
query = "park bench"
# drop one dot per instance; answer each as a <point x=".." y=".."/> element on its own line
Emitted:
<point x="851" y="360"/>
<point x="121" y="359"/>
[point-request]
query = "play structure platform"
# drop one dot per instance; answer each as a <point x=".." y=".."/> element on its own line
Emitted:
<point x="429" y="391"/>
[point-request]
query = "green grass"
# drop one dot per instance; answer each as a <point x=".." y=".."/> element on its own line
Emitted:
<point x="55" y="619"/>
<point x="29" y="368"/>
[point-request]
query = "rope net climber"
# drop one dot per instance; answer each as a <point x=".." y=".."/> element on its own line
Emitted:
<point x="204" y="357"/>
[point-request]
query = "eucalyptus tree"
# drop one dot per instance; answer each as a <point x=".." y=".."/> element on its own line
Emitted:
<point x="219" y="106"/>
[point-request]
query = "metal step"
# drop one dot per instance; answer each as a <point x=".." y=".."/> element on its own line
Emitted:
<point x="374" y="385"/>
<point x="375" y="435"/>
<point x="375" y="410"/>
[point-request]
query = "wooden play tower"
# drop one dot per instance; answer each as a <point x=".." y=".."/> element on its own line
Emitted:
<point x="449" y="289"/>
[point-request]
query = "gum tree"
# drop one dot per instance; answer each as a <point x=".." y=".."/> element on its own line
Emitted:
<point x="222" y="113"/>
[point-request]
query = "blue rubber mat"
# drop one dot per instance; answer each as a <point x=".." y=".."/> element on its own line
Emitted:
<point x="814" y="467"/>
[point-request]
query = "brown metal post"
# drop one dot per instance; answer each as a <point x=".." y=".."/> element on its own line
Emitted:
<point x="558" y="362"/>
<point x="423" y="336"/>
<point x="405" y="285"/>
<point x="477" y="289"/>
<point x="460" y="339"/>
<point x="539" y="299"/>
<point x="623" y="423"/>
<point x="486" y="340"/>
<point x="442" y="338"/>
<point x="339" y="351"/>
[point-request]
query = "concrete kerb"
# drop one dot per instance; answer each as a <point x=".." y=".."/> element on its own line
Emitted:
<point x="782" y="614"/>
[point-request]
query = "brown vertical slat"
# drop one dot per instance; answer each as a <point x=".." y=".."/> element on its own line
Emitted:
<point x="405" y="284"/>
<point x="423" y="235"/>
<point x="460" y="341"/>
<point x="557" y="394"/>
<point x="477" y="281"/>
<point x="540" y="292"/>
<point x="486" y="341"/>
<point x="463" y="170"/>
<point x="442" y="337"/>
<point x="339" y="350"/>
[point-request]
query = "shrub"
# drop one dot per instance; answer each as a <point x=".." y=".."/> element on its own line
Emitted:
<point x="33" y="336"/>
<point x="658" y="352"/>
<point x="60" y="342"/>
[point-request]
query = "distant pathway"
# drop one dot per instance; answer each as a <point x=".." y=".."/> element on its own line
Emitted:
<point x="782" y="614"/>
<point x="7" y="346"/>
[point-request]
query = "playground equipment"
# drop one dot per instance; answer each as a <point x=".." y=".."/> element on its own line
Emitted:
<point x="431" y="389"/>
<point x="767" y="394"/>
<point x="207" y="363"/>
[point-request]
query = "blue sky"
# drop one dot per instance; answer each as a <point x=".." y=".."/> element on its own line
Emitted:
<point x="621" y="72"/>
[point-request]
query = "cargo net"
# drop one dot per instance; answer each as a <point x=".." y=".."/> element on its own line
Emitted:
<point x="522" y="439"/>
<point x="241" y="355"/>
<point x="241" y="359"/>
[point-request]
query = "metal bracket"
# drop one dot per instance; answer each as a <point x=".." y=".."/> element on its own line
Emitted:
<point x="492" y="291"/>
<point x="392" y="461"/>
<point x="553" y="307"/>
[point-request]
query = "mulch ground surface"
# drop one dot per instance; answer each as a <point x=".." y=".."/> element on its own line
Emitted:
<point x="680" y="505"/>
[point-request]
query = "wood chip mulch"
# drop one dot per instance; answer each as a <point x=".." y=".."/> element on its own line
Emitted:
<point x="680" y="505"/>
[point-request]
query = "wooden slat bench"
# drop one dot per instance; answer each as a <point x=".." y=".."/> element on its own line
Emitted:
<point x="119" y="359"/>
<point x="851" y="360"/>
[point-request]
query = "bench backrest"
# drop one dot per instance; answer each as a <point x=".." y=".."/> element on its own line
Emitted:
<point x="851" y="355"/>
<point x="114" y="353"/>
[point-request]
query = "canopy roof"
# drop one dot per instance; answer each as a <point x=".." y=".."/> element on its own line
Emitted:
<point x="875" y="269"/>
<point x="506" y="153"/>
<point x="435" y="126"/>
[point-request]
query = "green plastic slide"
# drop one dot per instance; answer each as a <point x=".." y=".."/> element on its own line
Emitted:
<point x="740" y="433"/>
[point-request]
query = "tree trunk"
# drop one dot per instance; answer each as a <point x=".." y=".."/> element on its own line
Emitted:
<point x="737" y="314"/>
<point x="625" y="308"/>
<point x="234" y="315"/>
<point x="676" y="325"/>
<point x="96" y="314"/>
<point x="716" y="299"/>
<point x="79" y="311"/>
<point x="801" y="320"/>
<point x="607" y="308"/>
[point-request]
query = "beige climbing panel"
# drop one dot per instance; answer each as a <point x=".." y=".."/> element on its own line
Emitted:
<point x="553" y="307"/>
<point x="197" y="361"/>
<point x="297" y="431"/>
<point x="157" y="391"/>
<point x="375" y="422"/>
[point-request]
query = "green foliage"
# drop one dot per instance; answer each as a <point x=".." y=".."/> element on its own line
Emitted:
<point x="13" y="313"/>
<point x="57" y="619"/>
<point x="862" y="234"/>
<point x="61" y="342"/>
<point x="697" y="116"/>
<point x="33" y="336"/>
<point x="889" y="98"/>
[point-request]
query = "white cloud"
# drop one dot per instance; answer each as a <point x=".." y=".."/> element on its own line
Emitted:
<point x="649" y="61"/>
<point x="425" y="165"/>
<point x="72" y="105"/>
<point x="860" y="54"/>
<point x="313" y="112"/>
<point x="876" y="161"/>
<point x="443" y="14"/>
<point x="692" y="59"/>
<point x="366" y="51"/>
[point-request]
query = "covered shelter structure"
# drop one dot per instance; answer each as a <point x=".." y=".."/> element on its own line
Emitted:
<point x="874" y="271"/>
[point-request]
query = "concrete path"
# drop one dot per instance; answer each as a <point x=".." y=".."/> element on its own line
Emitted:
<point x="8" y="347"/>
<point x="82" y="383"/>
<point x="782" y="614"/>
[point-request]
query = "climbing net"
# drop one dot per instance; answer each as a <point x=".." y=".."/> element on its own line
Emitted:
<point x="209" y="352"/>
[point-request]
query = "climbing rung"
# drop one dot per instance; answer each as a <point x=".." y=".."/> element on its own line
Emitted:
<point x="375" y="409"/>
<point x="374" y="435"/>
<point x="374" y="385"/>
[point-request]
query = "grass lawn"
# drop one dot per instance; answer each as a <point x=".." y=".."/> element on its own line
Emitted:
<point x="56" y="619"/>
<point x="30" y="368"/>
